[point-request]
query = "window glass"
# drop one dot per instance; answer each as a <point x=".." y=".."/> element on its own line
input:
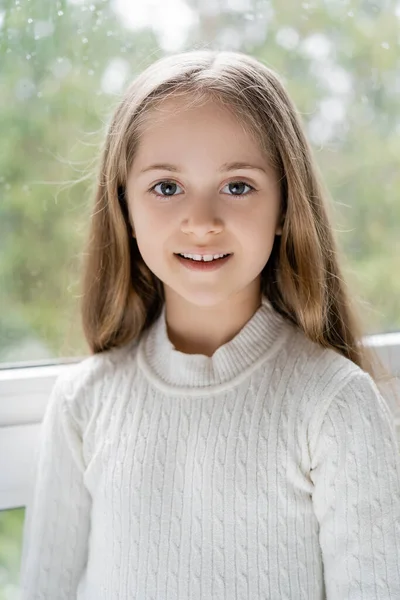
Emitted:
<point x="63" y="65"/>
<point x="11" y="528"/>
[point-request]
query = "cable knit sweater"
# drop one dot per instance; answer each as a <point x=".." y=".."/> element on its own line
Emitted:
<point x="270" y="470"/>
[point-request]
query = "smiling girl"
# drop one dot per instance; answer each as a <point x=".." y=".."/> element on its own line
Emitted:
<point x="226" y="438"/>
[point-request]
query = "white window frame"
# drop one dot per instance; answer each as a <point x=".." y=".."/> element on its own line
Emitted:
<point x="25" y="390"/>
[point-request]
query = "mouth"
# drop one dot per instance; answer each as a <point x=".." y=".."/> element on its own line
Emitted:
<point x="203" y="265"/>
<point x="220" y="255"/>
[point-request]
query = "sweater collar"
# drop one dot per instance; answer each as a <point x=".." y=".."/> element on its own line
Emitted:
<point x="176" y="372"/>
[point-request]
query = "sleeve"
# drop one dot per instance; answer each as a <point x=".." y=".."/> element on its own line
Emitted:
<point x="56" y="527"/>
<point x="355" y="460"/>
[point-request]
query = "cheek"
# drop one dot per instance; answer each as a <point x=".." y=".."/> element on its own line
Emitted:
<point x="151" y="254"/>
<point x="151" y="235"/>
<point x="257" y="236"/>
<point x="143" y="217"/>
<point x="258" y="228"/>
<point x="147" y="225"/>
<point x="153" y="215"/>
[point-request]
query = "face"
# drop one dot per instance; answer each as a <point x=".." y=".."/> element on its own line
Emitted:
<point x="196" y="200"/>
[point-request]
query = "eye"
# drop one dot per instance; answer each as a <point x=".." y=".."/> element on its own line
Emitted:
<point x="167" y="188"/>
<point x="238" y="188"/>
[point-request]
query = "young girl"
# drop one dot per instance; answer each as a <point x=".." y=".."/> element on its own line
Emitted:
<point x="225" y="439"/>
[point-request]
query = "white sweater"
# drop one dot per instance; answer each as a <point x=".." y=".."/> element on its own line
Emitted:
<point x="270" y="470"/>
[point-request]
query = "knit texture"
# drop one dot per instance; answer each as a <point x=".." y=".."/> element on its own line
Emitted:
<point x="270" y="470"/>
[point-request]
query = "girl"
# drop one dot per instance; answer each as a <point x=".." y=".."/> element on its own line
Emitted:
<point x="226" y="438"/>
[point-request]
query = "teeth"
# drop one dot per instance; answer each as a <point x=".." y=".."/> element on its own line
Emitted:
<point x="205" y="258"/>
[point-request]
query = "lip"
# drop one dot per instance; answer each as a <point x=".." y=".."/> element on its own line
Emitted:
<point x="204" y="252"/>
<point x="201" y="265"/>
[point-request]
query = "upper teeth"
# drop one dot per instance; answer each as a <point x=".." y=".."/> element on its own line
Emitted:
<point x="205" y="257"/>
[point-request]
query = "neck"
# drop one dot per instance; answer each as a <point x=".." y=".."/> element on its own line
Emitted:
<point x="181" y="373"/>
<point x="194" y="329"/>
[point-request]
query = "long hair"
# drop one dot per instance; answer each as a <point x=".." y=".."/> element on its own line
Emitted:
<point x="302" y="279"/>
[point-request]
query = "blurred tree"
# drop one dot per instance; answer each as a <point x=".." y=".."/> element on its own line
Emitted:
<point x="11" y="526"/>
<point x="63" y="67"/>
<point x="340" y="62"/>
<point x="58" y="61"/>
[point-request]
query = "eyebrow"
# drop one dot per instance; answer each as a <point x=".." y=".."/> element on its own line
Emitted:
<point x="233" y="166"/>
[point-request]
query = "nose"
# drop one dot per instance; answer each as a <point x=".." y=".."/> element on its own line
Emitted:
<point x="202" y="218"/>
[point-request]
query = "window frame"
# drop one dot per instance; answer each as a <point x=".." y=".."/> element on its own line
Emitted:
<point x="25" y="391"/>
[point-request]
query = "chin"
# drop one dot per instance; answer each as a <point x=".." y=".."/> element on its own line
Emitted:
<point x="201" y="298"/>
<point x="204" y="300"/>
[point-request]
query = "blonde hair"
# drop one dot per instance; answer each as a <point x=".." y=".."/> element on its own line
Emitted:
<point x="121" y="297"/>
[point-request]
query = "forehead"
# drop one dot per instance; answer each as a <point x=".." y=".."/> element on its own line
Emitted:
<point x="187" y="120"/>
<point x="184" y="109"/>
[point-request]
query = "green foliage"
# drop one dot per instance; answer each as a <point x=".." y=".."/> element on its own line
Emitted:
<point x="11" y="527"/>
<point x="53" y="111"/>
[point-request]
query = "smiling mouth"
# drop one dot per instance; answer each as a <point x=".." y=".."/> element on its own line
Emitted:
<point x="202" y="260"/>
<point x="203" y="265"/>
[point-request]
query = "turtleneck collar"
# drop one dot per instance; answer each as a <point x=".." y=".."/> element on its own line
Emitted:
<point x="176" y="372"/>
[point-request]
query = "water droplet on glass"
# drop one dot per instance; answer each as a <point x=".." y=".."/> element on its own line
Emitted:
<point x="30" y="20"/>
<point x="24" y="89"/>
<point x="60" y="13"/>
<point x="114" y="76"/>
<point x="43" y="29"/>
<point x="287" y="38"/>
<point x="61" y="67"/>
<point x="84" y="40"/>
<point x="385" y="45"/>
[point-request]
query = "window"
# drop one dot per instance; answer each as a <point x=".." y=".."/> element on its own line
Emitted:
<point x="63" y="65"/>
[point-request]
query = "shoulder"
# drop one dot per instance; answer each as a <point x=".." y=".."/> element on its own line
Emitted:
<point x="357" y="419"/>
<point x="349" y="403"/>
<point x="83" y="385"/>
<point x="320" y="378"/>
<point x="316" y="370"/>
<point x="331" y="395"/>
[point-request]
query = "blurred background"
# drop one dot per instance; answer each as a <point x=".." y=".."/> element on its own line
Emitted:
<point x="64" y="65"/>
